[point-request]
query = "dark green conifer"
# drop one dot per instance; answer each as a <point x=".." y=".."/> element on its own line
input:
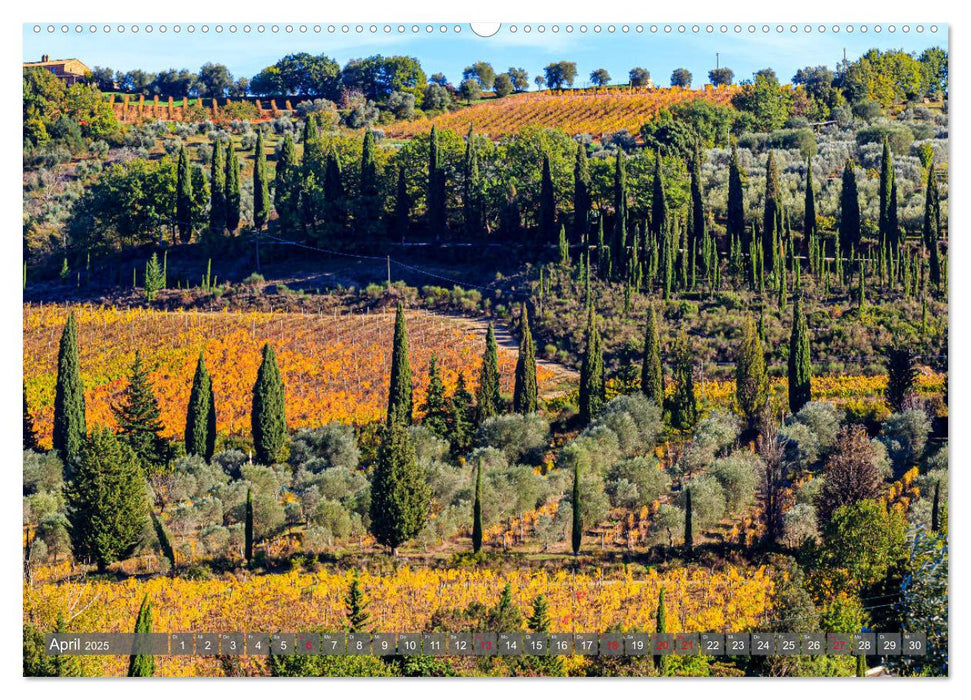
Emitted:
<point x="477" y="510"/>
<point x="576" y="533"/>
<point x="902" y="376"/>
<point x="849" y="225"/>
<point x="142" y="665"/>
<point x="248" y="528"/>
<point x="356" y="608"/>
<point x="69" y="425"/>
<point x="217" y="190"/>
<point x="592" y="384"/>
<point x="751" y="377"/>
<point x="800" y="365"/>
<point x="400" y="495"/>
<point x="659" y="206"/>
<point x="140" y="421"/>
<point x="164" y="542"/>
<point x="886" y="189"/>
<point x="183" y="197"/>
<point x="525" y="392"/>
<point x="487" y="395"/>
<point x="461" y="417"/>
<point x="618" y="253"/>
<point x="436" y="188"/>
<point x="539" y="620"/>
<point x="684" y="406"/>
<point x="547" y="204"/>
<point x="286" y="188"/>
<point x="581" y="195"/>
<point x="771" y="214"/>
<point x="652" y="372"/>
<point x="261" y="185"/>
<point x="269" y="418"/>
<point x="400" y="401"/>
<point x="689" y="537"/>
<point x="30" y="433"/>
<point x="472" y="195"/>
<point x="435" y="409"/>
<point x="200" y="438"/>
<point x="402" y="206"/>
<point x="735" y="225"/>
<point x="809" y="215"/>
<point x="232" y="197"/>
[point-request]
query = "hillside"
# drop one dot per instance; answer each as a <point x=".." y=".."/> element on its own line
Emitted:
<point x="577" y="112"/>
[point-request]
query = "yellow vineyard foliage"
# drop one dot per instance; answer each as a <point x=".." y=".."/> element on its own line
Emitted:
<point x="732" y="599"/>
<point x="336" y="367"/>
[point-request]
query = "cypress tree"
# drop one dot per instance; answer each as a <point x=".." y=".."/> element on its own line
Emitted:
<point x="849" y="226"/>
<point x="436" y="412"/>
<point x="659" y="207"/>
<point x="108" y="501"/>
<point x="261" y="185"/>
<point x="581" y="195"/>
<point x="183" y="197"/>
<point x="269" y="418"/>
<point x="461" y="417"/>
<point x="232" y="197"/>
<point x="697" y="233"/>
<point x="931" y="213"/>
<point x="472" y="189"/>
<point x="217" y="190"/>
<point x="69" y="425"/>
<point x="735" y="225"/>
<point x="400" y="495"/>
<point x="936" y="508"/>
<point x="861" y="666"/>
<point x="477" y="510"/>
<point x="618" y="253"/>
<point x="355" y="608"/>
<point x="200" y="436"/>
<point x="547" y="204"/>
<point x="248" y="528"/>
<point x="809" y="216"/>
<point x="164" y="543"/>
<point x="771" y="214"/>
<point x="800" y="366"/>
<point x="684" y="409"/>
<point x="902" y="376"/>
<point x="286" y="187"/>
<point x="400" y="402"/>
<point x="576" y="534"/>
<point x="563" y="247"/>
<point x="30" y="433"/>
<point x="592" y="386"/>
<point x="436" y="188"/>
<point x="335" y="198"/>
<point x="652" y="372"/>
<point x="139" y="420"/>
<point x="142" y="665"/>
<point x="402" y="206"/>
<point x="689" y="537"/>
<point x="751" y="378"/>
<point x="487" y="398"/>
<point x="525" y="396"/>
<point x="367" y="213"/>
<point x="661" y="627"/>
<point x="886" y="187"/>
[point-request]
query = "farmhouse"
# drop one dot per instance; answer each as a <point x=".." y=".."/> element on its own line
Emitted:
<point x="70" y="70"/>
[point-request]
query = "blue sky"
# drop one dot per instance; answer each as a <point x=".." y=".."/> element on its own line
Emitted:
<point x="660" y="52"/>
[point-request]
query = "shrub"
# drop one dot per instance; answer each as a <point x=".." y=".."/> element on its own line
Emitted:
<point x="905" y="437"/>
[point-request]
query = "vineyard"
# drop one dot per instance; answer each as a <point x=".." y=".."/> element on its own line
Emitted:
<point x="732" y="599"/>
<point x="576" y="112"/>
<point x="328" y="361"/>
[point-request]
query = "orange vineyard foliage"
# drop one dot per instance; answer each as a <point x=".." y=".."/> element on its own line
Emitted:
<point x="731" y="599"/>
<point x="336" y="367"/>
<point x="594" y="112"/>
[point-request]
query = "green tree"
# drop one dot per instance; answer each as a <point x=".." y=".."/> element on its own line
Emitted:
<point x="400" y="495"/>
<point x="355" y="608"/>
<point x="164" y="542"/>
<point x="547" y="204"/>
<point x="108" y="503"/>
<point x="488" y="399"/>
<point x="154" y="278"/>
<point x="581" y="196"/>
<point x="232" y="198"/>
<point x="902" y="376"/>
<point x="142" y="665"/>
<point x="140" y="420"/>
<point x="461" y="417"/>
<point x="367" y="215"/>
<point x="652" y="372"/>
<point x="248" y="528"/>
<point x="217" y="190"/>
<point x="684" y="406"/>
<point x="477" y="510"/>
<point x="619" y="245"/>
<point x="576" y="532"/>
<point x="735" y="225"/>
<point x="183" y="197"/>
<point x="689" y="538"/>
<point x="69" y="425"/>
<point x="751" y="378"/>
<point x="849" y="225"/>
<point x="200" y="418"/>
<point x="809" y="216"/>
<point x="863" y="542"/>
<point x="436" y="412"/>
<point x="525" y="397"/>
<point x="269" y="418"/>
<point x="800" y="369"/>
<point x="472" y="192"/>
<point x="661" y="627"/>
<point x="592" y="382"/>
<point x="659" y="206"/>
<point x="261" y="185"/>
<point x="772" y="212"/>
<point x="29" y="432"/>
<point x="286" y="187"/>
<point x="400" y="401"/>
<point x="886" y="191"/>
<point x="435" y="195"/>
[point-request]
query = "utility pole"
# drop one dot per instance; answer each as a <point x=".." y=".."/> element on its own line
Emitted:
<point x="717" y="60"/>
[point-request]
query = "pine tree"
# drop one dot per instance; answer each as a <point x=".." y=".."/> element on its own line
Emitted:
<point x="248" y="528"/>
<point x="436" y="188"/>
<point x="355" y="608"/>
<point x="217" y="190"/>
<point x="487" y="396"/>
<point x="200" y="419"/>
<point x="269" y="418"/>
<point x="286" y="187"/>
<point x="477" y="510"/>
<point x="592" y="385"/>
<point x="109" y="509"/>
<point x="576" y="533"/>
<point x="142" y="665"/>
<point x="735" y="226"/>
<point x="751" y="378"/>
<point x="547" y="204"/>
<point x="849" y="225"/>
<point x="800" y="366"/>
<point x="652" y="372"/>
<point x="183" y="197"/>
<point x="809" y="215"/>
<point x="461" y="417"/>
<point x="436" y="412"/>
<point x="684" y="406"/>
<point x="525" y="396"/>
<point x="69" y="426"/>
<point x="400" y="495"/>
<point x="153" y="278"/>
<point x="689" y="537"/>
<point x="581" y="196"/>
<point x="400" y="402"/>
<point x="539" y="620"/>
<point x="902" y="376"/>
<point x="505" y="616"/>
<point x="30" y="433"/>
<point x="232" y="197"/>
<point x="140" y="420"/>
<point x="771" y="214"/>
<point x="261" y="185"/>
